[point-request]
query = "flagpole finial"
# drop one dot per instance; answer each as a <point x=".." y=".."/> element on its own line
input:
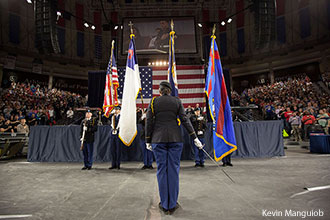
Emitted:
<point x="172" y="25"/>
<point x="113" y="44"/>
<point x="214" y="28"/>
<point x="130" y="24"/>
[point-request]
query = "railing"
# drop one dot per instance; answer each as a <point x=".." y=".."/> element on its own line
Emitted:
<point x="12" y="144"/>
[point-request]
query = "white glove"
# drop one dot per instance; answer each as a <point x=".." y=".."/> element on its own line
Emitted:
<point x="148" y="146"/>
<point x="85" y="128"/>
<point x="198" y="143"/>
<point x="81" y="139"/>
<point x="143" y="116"/>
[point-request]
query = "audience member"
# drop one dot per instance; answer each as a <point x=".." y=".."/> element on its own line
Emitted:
<point x="23" y="127"/>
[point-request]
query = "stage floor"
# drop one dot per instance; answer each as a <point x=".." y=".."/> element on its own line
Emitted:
<point x="63" y="191"/>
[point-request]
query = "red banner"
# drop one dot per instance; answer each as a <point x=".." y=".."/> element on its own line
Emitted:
<point x="97" y="22"/>
<point x="222" y="16"/>
<point x="80" y="17"/>
<point x="240" y="16"/>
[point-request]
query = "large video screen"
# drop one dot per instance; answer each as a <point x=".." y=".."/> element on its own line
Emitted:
<point x="152" y="35"/>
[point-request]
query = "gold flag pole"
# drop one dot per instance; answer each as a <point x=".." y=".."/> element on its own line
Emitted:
<point x="213" y="31"/>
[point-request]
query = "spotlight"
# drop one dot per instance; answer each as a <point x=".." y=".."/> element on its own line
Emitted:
<point x="116" y="27"/>
<point x="223" y="23"/>
<point x="200" y="25"/>
<point x="93" y="27"/>
<point x="86" y="24"/>
<point x="153" y="63"/>
<point x="164" y="63"/>
<point x="59" y="13"/>
<point x="149" y="64"/>
<point x="121" y="27"/>
<point x="29" y="1"/>
<point x="229" y="20"/>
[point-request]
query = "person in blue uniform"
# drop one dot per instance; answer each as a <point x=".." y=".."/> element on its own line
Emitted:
<point x="89" y="127"/>
<point x="147" y="154"/>
<point x="226" y="161"/>
<point x="163" y="137"/>
<point x="115" y="142"/>
<point x="199" y="123"/>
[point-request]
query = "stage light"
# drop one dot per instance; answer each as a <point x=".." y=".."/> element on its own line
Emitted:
<point x="121" y="27"/>
<point x="149" y="64"/>
<point x="157" y="63"/>
<point x="223" y="23"/>
<point x="229" y="20"/>
<point x="29" y="1"/>
<point x="153" y="63"/>
<point x="116" y="27"/>
<point x="93" y="27"/>
<point x="86" y="24"/>
<point x="59" y="13"/>
<point x="200" y="25"/>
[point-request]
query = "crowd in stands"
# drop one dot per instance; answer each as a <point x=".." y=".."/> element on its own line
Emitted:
<point x="31" y="103"/>
<point x="294" y="100"/>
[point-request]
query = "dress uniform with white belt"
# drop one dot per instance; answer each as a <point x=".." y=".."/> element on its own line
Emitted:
<point x="147" y="154"/>
<point x="163" y="133"/>
<point x="199" y="123"/>
<point x="115" y="142"/>
<point x="89" y="127"/>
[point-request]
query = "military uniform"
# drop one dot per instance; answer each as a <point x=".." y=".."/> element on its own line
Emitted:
<point x="88" y="147"/>
<point x="115" y="142"/>
<point x="199" y="124"/>
<point x="163" y="131"/>
<point x="147" y="154"/>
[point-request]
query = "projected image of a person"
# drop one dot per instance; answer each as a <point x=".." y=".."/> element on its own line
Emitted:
<point x="164" y="34"/>
<point x="155" y="39"/>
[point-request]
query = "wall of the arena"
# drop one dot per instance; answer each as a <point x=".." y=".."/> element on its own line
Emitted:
<point x="302" y="35"/>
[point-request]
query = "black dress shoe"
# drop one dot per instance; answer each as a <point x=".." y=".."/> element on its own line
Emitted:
<point x="84" y="168"/>
<point x="118" y="167"/>
<point x="229" y="164"/>
<point x="150" y="167"/>
<point x="111" y="168"/>
<point x="201" y="165"/>
<point x="162" y="208"/>
<point x="171" y="211"/>
<point x="89" y="168"/>
<point x="197" y="165"/>
<point x="144" y="167"/>
<point x="224" y="164"/>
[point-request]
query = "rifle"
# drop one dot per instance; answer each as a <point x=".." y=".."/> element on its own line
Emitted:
<point x="83" y="136"/>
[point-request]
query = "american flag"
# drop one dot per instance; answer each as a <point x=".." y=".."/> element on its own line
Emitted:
<point x="111" y="85"/>
<point x="191" y="82"/>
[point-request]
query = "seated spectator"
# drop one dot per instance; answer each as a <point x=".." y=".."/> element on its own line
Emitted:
<point x="69" y="113"/>
<point x="322" y="119"/>
<point x="14" y="122"/>
<point x="23" y="127"/>
<point x="2" y="120"/>
<point x="308" y="120"/>
<point x="7" y="127"/>
<point x="32" y="120"/>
